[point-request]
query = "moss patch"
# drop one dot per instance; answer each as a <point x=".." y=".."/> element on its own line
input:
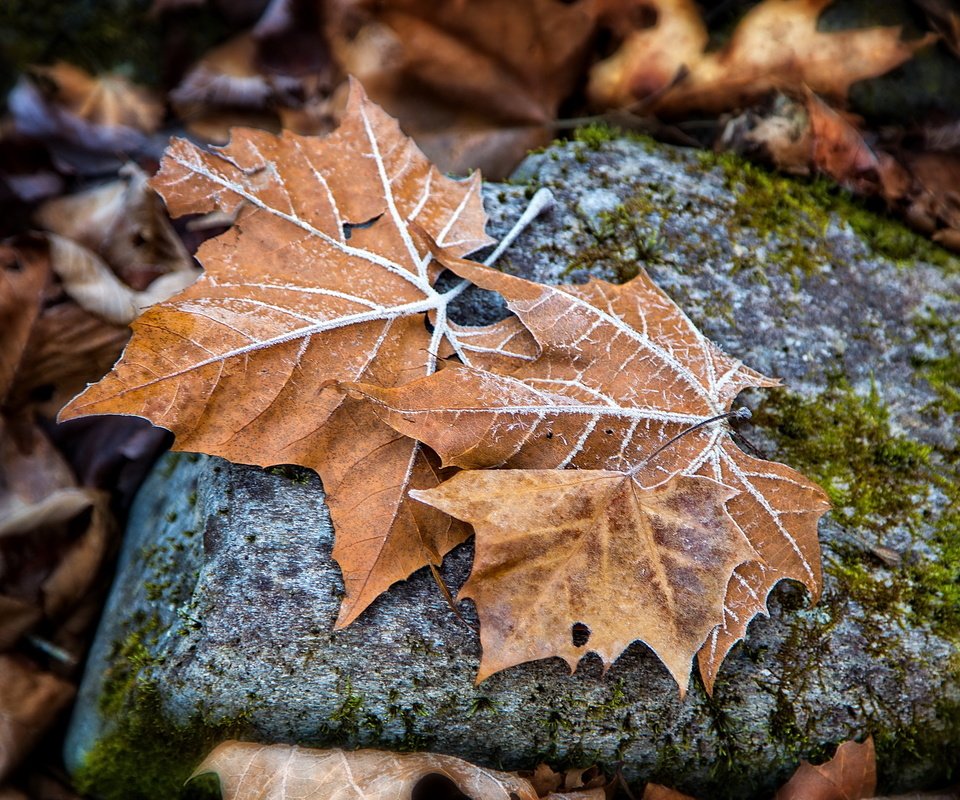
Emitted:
<point x="627" y="237"/>
<point x="772" y="203"/>
<point x="879" y="481"/>
<point x="144" y="756"/>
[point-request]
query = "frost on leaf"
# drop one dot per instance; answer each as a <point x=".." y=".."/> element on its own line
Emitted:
<point x="321" y="279"/>
<point x="621" y="372"/>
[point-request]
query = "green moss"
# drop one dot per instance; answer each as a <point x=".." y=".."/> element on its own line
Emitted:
<point x="942" y="372"/>
<point x="143" y="755"/>
<point x="800" y="211"/>
<point x="844" y="442"/>
<point x="300" y="476"/>
<point x="627" y="237"/>
<point x="596" y="134"/>
<point x="878" y="480"/>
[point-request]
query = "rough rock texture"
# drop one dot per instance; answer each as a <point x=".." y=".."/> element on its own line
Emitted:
<point x="221" y="619"/>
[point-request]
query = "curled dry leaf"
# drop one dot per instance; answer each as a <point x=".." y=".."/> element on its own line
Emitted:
<point x="105" y="113"/>
<point x="29" y="702"/>
<point x="124" y="223"/>
<point x="24" y="275"/>
<point x="74" y="574"/>
<point x="850" y="775"/>
<point x="16" y="618"/>
<point x="283" y="772"/>
<point x="621" y="372"/>
<point x="49" y="348"/>
<point x="321" y="279"/>
<point x="775" y="46"/>
<point x="921" y="187"/>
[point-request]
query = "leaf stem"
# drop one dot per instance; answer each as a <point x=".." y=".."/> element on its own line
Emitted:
<point x="540" y="202"/>
<point x="740" y="413"/>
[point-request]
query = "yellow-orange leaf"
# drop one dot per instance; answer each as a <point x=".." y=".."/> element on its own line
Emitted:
<point x="576" y="561"/>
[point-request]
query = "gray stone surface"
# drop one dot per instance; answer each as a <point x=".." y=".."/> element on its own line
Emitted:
<point x="226" y="577"/>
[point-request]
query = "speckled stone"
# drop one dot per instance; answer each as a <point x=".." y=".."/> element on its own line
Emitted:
<point x="230" y="565"/>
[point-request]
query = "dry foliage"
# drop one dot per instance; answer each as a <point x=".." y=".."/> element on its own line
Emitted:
<point x="476" y="83"/>
<point x="283" y="772"/>
<point x="811" y="137"/>
<point x="348" y="202"/>
<point x="775" y="46"/>
<point x="251" y="363"/>
<point x="850" y="775"/>
<point x="621" y="372"/>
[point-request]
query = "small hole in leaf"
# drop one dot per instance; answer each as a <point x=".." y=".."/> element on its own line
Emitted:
<point x="581" y="634"/>
<point x="350" y="227"/>
<point x="437" y="787"/>
<point x="608" y="431"/>
<point x="549" y="434"/>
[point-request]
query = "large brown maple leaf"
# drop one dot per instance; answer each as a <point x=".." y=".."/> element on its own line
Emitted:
<point x="621" y="378"/>
<point x="321" y="279"/>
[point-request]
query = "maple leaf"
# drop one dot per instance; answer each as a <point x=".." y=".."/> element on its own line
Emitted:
<point x="283" y="772"/>
<point x="320" y="280"/>
<point x="775" y="46"/>
<point x="560" y="549"/>
<point x="621" y="374"/>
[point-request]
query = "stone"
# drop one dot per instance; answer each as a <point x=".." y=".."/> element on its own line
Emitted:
<point x="220" y="622"/>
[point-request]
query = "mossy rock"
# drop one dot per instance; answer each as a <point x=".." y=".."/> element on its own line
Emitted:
<point x="221" y="620"/>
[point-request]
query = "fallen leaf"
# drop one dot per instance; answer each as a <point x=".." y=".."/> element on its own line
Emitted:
<point x="283" y="772"/>
<point x="24" y="274"/>
<point x="775" y="46"/>
<point x="67" y="349"/>
<point x="850" y="775"/>
<point x="621" y="373"/>
<point x="321" y="279"/>
<point x="779" y="134"/>
<point x="29" y="702"/>
<point x="945" y="19"/>
<point x="74" y="574"/>
<point x="839" y="149"/>
<point x="105" y="113"/>
<point x="89" y="281"/>
<point x="556" y="550"/>
<point x="124" y="223"/>
<point x="475" y="82"/>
